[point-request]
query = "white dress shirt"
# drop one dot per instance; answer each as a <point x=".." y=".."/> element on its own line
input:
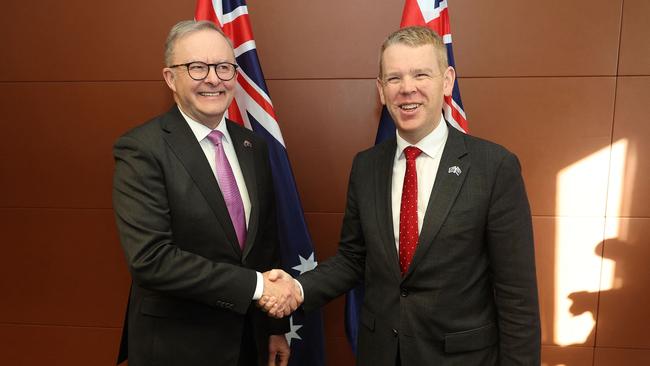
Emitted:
<point x="426" y="164"/>
<point x="201" y="133"/>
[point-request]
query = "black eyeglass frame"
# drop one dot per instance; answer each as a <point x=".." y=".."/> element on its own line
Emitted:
<point x="187" y="66"/>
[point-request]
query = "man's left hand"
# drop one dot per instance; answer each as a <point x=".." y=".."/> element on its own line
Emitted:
<point x="278" y="350"/>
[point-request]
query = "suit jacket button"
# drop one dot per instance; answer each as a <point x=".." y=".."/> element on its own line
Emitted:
<point x="404" y="292"/>
<point x="395" y="332"/>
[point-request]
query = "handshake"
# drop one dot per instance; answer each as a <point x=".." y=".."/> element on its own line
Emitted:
<point x="282" y="294"/>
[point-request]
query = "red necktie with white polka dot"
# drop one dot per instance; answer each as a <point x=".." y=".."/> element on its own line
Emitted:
<point x="408" y="213"/>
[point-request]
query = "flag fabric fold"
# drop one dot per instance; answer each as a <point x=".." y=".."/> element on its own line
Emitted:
<point x="433" y="14"/>
<point x="253" y="109"/>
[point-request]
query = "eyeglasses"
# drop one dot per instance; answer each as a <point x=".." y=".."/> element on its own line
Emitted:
<point x="199" y="70"/>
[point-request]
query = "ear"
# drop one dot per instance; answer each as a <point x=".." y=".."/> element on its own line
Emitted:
<point x="380" y="90"/>
<point x="448" y="82"/>
<point x="168" y="75"/>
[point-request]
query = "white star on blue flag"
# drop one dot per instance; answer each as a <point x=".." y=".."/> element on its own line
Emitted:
<point x="293" y="333"/>
<point x="306" y="265"/>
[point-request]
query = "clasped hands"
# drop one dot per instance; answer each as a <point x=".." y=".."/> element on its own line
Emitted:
<point x="281" y="295"/>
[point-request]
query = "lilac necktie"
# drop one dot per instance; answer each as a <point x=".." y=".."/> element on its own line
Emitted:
<point x="229" y="188"/>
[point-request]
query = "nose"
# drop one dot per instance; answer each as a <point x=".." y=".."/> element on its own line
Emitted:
<point x="212" y="75"/>
<point x="407" y="85"/>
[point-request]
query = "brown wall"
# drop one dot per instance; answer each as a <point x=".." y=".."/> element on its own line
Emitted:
<point x="554" y="81"/>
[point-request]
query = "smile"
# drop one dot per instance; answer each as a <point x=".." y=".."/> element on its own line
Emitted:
<point x="410" y="107"/>
<point x="210" y="94"/>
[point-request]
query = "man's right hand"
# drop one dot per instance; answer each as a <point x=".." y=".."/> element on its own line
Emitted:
<point x="281" y="295"/>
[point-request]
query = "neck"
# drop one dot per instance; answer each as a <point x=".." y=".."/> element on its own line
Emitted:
<point x="210" y="123"/>
<point x="415" y="137"/>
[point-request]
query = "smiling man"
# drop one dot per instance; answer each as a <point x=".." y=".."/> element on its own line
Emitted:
<point x="195" y="210"/>
<point x="438" y="227"/>
<point x="413" y="91"/>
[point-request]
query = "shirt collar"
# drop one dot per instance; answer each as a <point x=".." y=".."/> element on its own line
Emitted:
<point x="430" y="144"/>
<point x="201" y="131"/>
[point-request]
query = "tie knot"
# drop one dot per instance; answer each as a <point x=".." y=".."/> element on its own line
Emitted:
<point x="215" y="137"/>
<point x="412" y="152"/>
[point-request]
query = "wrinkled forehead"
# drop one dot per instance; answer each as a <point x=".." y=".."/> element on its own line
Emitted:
<point x="205" y="44"/>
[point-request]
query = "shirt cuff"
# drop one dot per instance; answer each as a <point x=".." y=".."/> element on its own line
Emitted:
<point x="259" y="287"/>
<point x="302" y="293"/>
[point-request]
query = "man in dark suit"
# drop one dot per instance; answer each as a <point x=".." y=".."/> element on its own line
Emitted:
<point x="438" y="227"/>
<point x="195" y="208"/>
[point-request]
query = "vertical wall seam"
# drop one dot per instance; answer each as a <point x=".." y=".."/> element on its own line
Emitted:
<point x="609" y="172"/>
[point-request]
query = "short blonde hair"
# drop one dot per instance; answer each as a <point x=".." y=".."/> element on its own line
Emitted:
<point x="416" y="36"/>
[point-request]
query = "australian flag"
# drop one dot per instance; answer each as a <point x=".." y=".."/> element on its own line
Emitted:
<point x="435" y="15"/>
<point x="252" y="108"/>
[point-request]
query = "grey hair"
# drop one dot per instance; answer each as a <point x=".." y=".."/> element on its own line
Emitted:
<point x="184" y="28"/>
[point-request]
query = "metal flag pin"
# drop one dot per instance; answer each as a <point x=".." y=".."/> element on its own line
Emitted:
<point x="455" y="170"/>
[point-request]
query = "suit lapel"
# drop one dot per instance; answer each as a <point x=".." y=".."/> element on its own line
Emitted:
<point x="447" y="185"/>
<point x="182" y="141"/>
<point x="244" y="150"/>
<point x="383" y="178"/>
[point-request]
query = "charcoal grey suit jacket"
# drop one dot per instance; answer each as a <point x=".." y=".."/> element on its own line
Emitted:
<point x="470" y="295"/>
<point x="192" y="284"/>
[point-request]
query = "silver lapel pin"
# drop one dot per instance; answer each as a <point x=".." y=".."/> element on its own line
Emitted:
<point x="247" y="143"/>
<point x="455" y="170"/>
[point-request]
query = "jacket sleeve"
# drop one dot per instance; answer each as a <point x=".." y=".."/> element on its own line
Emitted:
<point x="144" y="223"/>
<point x="345" y="269"/>
<point x="512" y="263"/>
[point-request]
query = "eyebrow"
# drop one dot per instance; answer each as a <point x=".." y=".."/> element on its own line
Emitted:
<point x="411" y="71"/>
<point x="426" y="69"/>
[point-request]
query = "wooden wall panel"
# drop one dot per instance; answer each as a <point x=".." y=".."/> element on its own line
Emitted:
<point x="569" y="356"/>
<point x="635" y="48"/>
<point x="325" y="229"/>
<point x="338" y="352"/>
<point x="544" y="231"/>
<point x="539" y="38"/>
<point x="631" y="128"/>
<point x="59" y="137"/>
<point x="623" y="315"/>
<point x="621" y="356"/>
<point x="23" y="345"/>
<point x="62" y="267"/>
<point x="491" y="39"/>
<point x="325" y="123"/>
<point x="550" y="123"/>
<point x="295" y="38"/>
<point x="541" y="78"/>
<point x="84" y="40"/>
<point x="565" y="247"/>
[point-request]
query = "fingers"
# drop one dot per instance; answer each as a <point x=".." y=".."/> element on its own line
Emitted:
<point x="276" y="274"/>
<point x="279" y="350"/>
<point x="283" y="359"/>
<point x="276" y="310"/>
<point x="281" y="296"/>
<point x="272" y="357"/>
<point x="265" y="302"/>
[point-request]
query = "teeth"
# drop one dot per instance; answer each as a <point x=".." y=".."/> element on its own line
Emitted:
<point x="206" y="94"/>
<point x="409" y="107"/>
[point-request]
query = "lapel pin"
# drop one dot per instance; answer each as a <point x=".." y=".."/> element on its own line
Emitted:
<point x="455" y="170"/>
<point x="247" y="143"/>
